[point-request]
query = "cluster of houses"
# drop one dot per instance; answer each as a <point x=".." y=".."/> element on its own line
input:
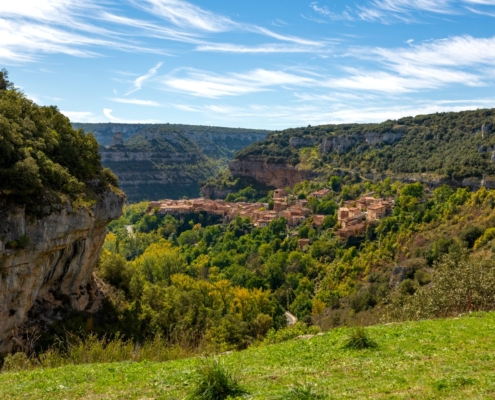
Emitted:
<point x="294" y="211"/>
<point x="356" y="214"/>
<point x="353" y="217"/>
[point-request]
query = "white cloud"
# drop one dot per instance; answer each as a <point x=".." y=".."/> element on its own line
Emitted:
<point x="138" y="102"/>
<point x="424" y="66"/>
<point x="264" y="48"/>
<point x="80" y="116"/>
<point x="31" y="28"/>
<point x="138" y="82"/>
<point x="108" y="112"/>
<point x="207" y="84"/>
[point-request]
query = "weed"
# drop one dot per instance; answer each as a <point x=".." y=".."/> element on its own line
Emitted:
<point x="303" y="392"/>
<point x="215" y="382"/>
<point x="359" y="339"/>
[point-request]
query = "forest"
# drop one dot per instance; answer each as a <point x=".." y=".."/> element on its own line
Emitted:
<point x="451" y="145"/>
<point x="201" y="283"/>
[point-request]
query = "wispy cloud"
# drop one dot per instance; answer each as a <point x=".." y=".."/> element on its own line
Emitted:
<point x="137" y="102"/>
<point x="84" y="28"/>
<point x="138" y="82"/>
<point x="389" y="11"/>
<point x="206" y="84"/>
<point x="108" y="113"/>
<point x="264" y="48"/>
<point x="81" y="116"/>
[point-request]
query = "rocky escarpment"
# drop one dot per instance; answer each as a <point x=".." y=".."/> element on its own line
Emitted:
<point x="48" y="263"/>
<point x="344" y="143"/>
<point x="269" y="174"/>
<point x="164" y="163"/>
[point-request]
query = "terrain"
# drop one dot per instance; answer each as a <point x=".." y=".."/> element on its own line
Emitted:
<point x="56" y="200"/>
<point x="154" y="161"/>
<point x="443" y="148"/>
<point x="414" y="360"/>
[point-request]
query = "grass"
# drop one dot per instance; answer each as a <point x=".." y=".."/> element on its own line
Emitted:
<point x="358" y="339"/>
<point x="215" y="381"/>
<point x="452" y="358"/>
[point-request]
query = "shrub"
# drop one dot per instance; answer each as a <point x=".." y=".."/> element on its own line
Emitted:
<point x="17" y="362"/>
<point x="215" y="382"/>
<point x="457" y="287"/>
<point x="470" y="235"/>
<point x="359" y="339"/>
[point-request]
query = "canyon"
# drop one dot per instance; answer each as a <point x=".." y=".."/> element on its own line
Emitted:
<point x="154" y="161"/>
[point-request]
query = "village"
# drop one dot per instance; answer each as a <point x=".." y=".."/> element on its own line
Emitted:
<point x="353" y="217"/>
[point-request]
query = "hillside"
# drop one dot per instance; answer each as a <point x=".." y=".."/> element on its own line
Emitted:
<point x="416" y="360"/>
<point x="56" y="200"/>
<point x="454" y="148"/>
<point x="155" y="161"/>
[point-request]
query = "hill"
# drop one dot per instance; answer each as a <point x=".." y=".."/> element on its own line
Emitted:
<point x="454" y="148"/>
<point x="56" y="200"/>
<point x="155" y="161"/>
<point x="435" y="359"/>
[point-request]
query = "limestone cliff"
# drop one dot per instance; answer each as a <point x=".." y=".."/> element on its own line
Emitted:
<point x="269" y="174"/>
<point x="55" y="267"/>
<point x="161" y="162"/>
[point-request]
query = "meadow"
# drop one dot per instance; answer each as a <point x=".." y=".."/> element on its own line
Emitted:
<point x="431" y="359"/>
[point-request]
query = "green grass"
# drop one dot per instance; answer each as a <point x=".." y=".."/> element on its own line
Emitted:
<point x="452" y="359"/>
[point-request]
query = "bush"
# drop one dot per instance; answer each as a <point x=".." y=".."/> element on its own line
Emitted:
<point x="457" y="287"/>
<point x="215" y="382"/>
<point x="16" y="362"/>
<point x="470" y="235"/>
<point x="358" y="339"/>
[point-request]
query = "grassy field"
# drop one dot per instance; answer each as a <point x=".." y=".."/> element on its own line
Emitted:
<point x="452" y="358"/>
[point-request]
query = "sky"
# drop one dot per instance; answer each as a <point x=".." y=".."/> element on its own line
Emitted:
<point x="269" y="64"/>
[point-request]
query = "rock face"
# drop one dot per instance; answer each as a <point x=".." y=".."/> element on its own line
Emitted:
<point x="156" y="164"/>
<point x="55" y="268"/>
<point x="299" y="142"/>
<point x="117" y="139"/>
<point x="343" y="144"/>
<point x="274" y="175"/>
<point x="485" y="130"/>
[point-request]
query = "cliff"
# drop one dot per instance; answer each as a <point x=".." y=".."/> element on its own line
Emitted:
<point x="165" y="162"/>
<point x="456" y="147"/>
<point x="269" y="174"/>
<point x="53" y="270"/>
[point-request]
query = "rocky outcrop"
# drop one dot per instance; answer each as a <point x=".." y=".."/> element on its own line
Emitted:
<point x="117" y="139"/>
<point x="486" y="130"/>
<point x="48" y="263"/>
<point x="272" y="175"/>
<point x="213" y="192"/>
<point x="344" y="143"/>
<point x="299" y="142"/>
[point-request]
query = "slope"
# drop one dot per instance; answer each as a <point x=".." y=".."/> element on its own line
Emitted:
<point x="418" y="360"/>
<point x="165" y="160"/>
<point x="454" y="148"/>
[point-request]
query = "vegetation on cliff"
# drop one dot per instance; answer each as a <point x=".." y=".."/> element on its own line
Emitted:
<point x="42" y="158"/>
<point x="454" y="145"/>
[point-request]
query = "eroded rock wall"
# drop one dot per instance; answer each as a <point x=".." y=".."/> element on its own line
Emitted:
<point x="55" y="268"/>
<point x="274" y="175"/>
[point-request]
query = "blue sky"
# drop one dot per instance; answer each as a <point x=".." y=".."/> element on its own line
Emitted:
<point x="258" y="64"/>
